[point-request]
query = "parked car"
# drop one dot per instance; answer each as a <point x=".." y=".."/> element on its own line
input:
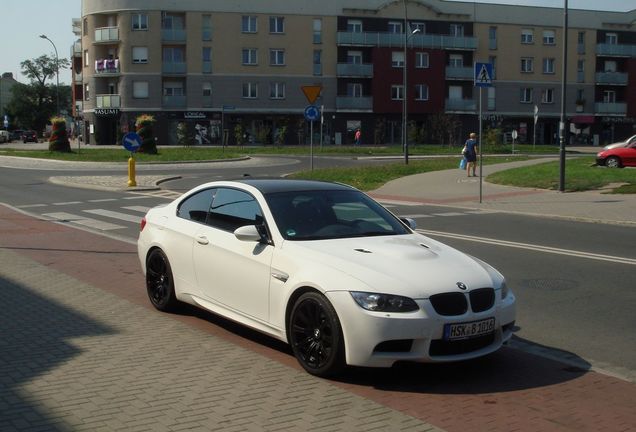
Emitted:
<point x="15" y="135"/>
<point x="625" y="143"/>
<point x="29" y="136"/>
<point x="4" y="136"/>
<point x="618" y="157"/>
<point x="325" y="268"/>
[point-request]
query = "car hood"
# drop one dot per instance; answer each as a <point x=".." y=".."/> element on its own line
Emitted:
<point x="411" y="265"/>
<point x="615" y="145"/>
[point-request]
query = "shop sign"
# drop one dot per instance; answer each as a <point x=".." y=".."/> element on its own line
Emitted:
<point x="106" y="111"/>
<point x="619" y="120"/>
<point x="194" y="115"/>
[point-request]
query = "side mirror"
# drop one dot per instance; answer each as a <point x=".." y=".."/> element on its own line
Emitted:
<point x="409" y="222"/>
<point x="251" y="233"/>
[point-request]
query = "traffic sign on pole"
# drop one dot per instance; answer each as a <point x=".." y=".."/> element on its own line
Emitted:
<point x="311" y="92"/>
<point x="131" y="141"/>
<point x="483" y="74"/>
<point x="312" y="113"/>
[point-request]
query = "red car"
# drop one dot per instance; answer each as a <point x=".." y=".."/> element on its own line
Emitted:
<point x="29" y="136"/>
<point x="618" y="157"/>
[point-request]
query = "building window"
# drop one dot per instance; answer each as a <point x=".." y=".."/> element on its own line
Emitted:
<point x="85" y="26"/>
<point x="173" y="88"/>
<point x="580" y="96"/>
<point x="354" y="26"/>
<point x="609" y="66"/>
<point x="248" y="24"/>
<point x="317" y="62"/>
<point x="580" y="42"/>
<point x="140" y="89"/>
<point x="206" y="27"/>
<point x="527" y="64"/>
<point x="611" y="38"/>
<point x="421" y="60"/>
<point x="548" y="65"/>
<point x="250" y="56"/>
<point x="140" y="54"/>
<point x="250" y="90"/>
<point x="397" y="92"/>
<point x="492" y="37"/>
<point x="421" y="92"/>
<point x="277" y="24"/>
<point x="277" y="90"/>
<point x="493" y="61"/>
<point x="548" y="37"/>
<point x="547" y="96"/>
<point x="354" y="57"/>
<point x="206" y="58"/>
<point x="526" y="95"/>
<point x="86" y="59"/>
<point x="87" y="92"/>
<point x="397" y="59"/>
<point x="420" y="26"/>
<point x="609" y="96"/>
<point x="276" y="57"/>
<point x="206" y="89"/>
<point x="395" y="27"/>
<point x="527" y="36"/>
<point x="491" y="104"/>
<point x="354" y="90"/>
<point x="456" y="60"/>
<point x="173" y="54"/>
<point x="139" y="21"/>
<point x="317" y="26"/>
<point x="457" y="30"/>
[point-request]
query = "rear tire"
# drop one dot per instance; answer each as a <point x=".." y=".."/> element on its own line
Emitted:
<point x="159" y="281"/>
<point x="613" y="162"/>
<point x="316" y="336"/>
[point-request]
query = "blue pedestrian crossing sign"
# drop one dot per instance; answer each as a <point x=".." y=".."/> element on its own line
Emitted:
<point x="483" y="74"/>
<point x="132" y="141"/>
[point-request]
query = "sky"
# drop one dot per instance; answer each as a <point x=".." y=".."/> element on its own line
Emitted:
<point x="24" y="20"/>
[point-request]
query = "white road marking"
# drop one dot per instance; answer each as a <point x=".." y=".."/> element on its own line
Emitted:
<point x="102" y="200"/>
<point x="415" y="216"/>
<point x="140" y="196"/>
<point x="80" y="220"/>
<point x="449" y="214"/>
<point x="67" y="203"/>
<point x="533" y="247"/>
<point x="115" y="215"/>
<point x="140" y="209"/>
<point x="31" y="206"/>
<point x="401" y="203"/>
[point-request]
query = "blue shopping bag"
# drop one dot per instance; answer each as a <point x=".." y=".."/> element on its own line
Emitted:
<point x="462" y="164"/>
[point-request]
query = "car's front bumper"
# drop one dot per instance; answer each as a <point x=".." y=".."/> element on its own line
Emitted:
<point x="378" y="339"/>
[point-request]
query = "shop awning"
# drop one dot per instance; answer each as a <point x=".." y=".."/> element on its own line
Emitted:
<point x="583" y="119"/>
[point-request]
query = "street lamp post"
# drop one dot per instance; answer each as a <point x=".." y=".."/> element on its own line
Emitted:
<point x="57" y="69"/>
<point x="407" y="35"/>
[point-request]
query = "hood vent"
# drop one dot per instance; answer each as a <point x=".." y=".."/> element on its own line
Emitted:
<point x="424" y="246"/>
<point x="363" y="250"/>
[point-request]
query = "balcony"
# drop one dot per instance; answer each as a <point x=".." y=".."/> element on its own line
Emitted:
<point x="108" y="101"/>
<point x="460" y="72"/>
<point x="354" y="70"/>
<point x="106" y="34"/>
<point x="611" y="78"/>
<point x="461" y="105"/>
<point x="77" y="78"/>
<point x="616" y="50"/>
<point x="415" y="41"/>
<point x="174" y="101"/>
<point x="354" y="103"/>
<point x="206" y="67"/>
<point x="76" y="49"/>
<point x="173" y="35"/>
<point x="107" y="67"/>
<point x="173" y="68"/>
<point x="610" y="108"/>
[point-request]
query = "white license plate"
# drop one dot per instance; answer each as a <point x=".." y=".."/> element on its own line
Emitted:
<point x="469" y="329"/>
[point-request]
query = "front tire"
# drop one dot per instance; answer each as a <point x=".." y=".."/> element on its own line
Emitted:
<point x="315" y="335"/>
<point x="159" y="281"/>
<point x="613" y="162"/>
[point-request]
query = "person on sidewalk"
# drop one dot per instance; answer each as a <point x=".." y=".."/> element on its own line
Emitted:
<point x="470" y="153"/>
<point x="358" y="136"/>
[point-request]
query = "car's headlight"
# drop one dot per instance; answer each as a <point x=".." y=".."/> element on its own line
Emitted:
<point x="384" y="302"/>
<point x="504" y="290"/>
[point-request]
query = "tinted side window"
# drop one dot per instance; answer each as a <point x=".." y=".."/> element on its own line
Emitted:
<point x="232" y="209"/>
<point x="196" y="207"/>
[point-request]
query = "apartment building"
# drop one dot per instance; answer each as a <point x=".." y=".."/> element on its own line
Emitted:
<point x="215" y="65"/>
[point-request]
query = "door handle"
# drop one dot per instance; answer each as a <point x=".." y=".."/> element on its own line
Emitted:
<point x="201" y="239"/>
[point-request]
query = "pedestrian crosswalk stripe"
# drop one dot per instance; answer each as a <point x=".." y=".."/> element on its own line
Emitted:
<point x="66" y="203"/>
<point x="115" y="215"/>
<point x="137" y="196"/>
<point x="83" y="221"/>
<point x="140" y="209"/>
<point x="31" y="206"/>
<point x="448" y="214"/>
<point x="415" y="216"/>
<point x="102" y="200"/>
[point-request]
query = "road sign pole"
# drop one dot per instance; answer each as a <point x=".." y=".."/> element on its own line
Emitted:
<point x="481" y="150"/>
<point x="311" y="144"/>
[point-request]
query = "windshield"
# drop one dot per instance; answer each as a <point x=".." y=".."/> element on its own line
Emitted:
<point x="329" y="214"/>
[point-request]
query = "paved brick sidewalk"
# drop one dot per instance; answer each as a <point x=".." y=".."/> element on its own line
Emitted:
<point x="81" y="349"/>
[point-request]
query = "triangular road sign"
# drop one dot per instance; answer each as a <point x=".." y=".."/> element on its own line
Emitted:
<point x="311" y="92"/>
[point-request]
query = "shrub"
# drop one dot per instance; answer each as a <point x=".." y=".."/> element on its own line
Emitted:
<point x="58" y="141"/>
<point x="144" y="125"/>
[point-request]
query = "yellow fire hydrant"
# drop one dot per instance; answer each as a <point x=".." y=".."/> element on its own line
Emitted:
<point x="131" y="171"/>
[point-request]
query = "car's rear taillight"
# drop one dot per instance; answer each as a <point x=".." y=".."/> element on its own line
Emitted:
<point x="143" y="223"/>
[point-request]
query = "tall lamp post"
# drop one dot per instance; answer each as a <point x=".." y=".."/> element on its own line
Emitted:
<point x="57" y="68"/>
<point x="407" y="35"/>
<point x="562" y="130"/>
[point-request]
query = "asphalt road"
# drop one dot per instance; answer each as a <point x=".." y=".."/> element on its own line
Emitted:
<point x="579" y="306"/>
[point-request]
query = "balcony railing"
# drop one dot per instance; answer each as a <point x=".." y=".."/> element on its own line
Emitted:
<point x="355" y="70"/>
<point x="174" y="101"/>
<point x="616" y="50"/>
<point x="610" y="108"/>
<point x="460" y="105"/>
<point x="76" y="49"/>
<point x="173" y="35"/>
<point x="77" y="78"/>
<point x="108" y="101"/>
<point x="174" y="68"/>
<point x="106" y="66"/>
<point x="415" y="41"/>
<point x="354" y="103"/>
<point x="107" y="34"/>
<point x="457" y="72"/>
<point x="616" y="78"/>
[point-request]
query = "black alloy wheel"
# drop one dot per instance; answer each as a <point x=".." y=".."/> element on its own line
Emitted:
<point x="316" y="336"/>
<point x="159" y="282"/>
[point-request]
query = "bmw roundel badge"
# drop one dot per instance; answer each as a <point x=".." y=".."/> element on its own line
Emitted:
<point x="461" y="286"/>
